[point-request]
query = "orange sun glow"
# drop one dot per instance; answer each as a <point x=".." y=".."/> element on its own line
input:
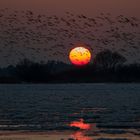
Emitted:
<point x="80" y="56"/>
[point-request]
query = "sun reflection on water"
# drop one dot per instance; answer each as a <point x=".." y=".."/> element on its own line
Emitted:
<point x="80" y="124"/>
<point x="81" y="134"/>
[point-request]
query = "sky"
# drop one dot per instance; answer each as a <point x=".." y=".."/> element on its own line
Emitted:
<point x="89" y="7"/>
<point x="39" y="41"/>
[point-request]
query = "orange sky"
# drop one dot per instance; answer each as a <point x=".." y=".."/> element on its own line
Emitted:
<point x="90" y="7"/>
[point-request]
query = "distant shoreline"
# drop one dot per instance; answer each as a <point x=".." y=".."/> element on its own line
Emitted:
<point x="65" y="135"/>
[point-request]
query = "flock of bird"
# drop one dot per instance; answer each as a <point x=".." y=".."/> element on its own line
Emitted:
<point x="26" y="34"/>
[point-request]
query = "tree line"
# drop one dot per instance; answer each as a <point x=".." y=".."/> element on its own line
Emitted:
<point x="107" y="66"/>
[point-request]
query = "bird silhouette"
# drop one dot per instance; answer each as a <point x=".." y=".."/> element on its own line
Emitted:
<point x="28" y="34"/>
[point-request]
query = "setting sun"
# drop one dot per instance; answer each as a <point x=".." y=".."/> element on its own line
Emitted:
<point x="80" y="56"/>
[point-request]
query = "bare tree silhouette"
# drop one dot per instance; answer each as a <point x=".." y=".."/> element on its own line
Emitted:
<point x="108" y="60"/>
